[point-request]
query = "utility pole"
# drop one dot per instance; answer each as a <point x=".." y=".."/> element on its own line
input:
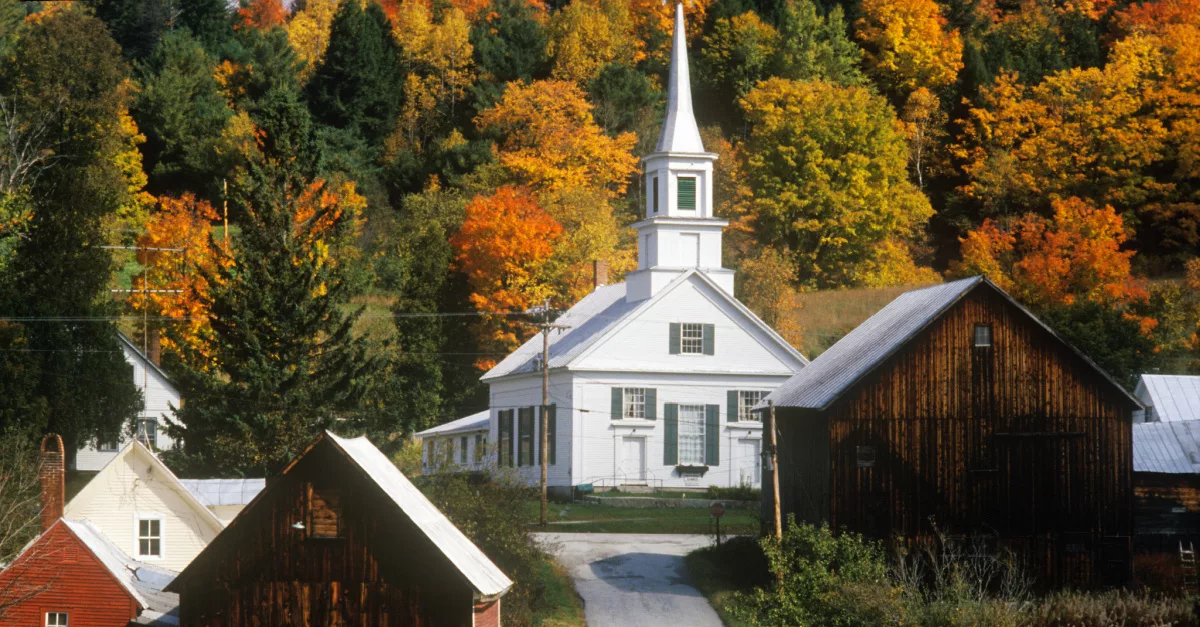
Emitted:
<point x="544" y="327"/>
<point x="778" y="532"/>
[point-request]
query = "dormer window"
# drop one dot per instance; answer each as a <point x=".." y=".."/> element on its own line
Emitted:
<point x="686" y="193"/>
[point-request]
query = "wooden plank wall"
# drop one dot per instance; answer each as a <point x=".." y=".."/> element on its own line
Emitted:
<point x="1021" y="440"/>
<point x="382" y="571"/>
<point x="1167" y="505"/>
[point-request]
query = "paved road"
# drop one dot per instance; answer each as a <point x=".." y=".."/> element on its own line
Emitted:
<point x="629" y="579"/>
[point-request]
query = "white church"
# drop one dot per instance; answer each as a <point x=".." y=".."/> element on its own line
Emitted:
<point x="652" y="381"/>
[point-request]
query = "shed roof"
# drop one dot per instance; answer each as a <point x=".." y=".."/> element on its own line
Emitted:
<point x="882" y="335"/>
<point x="1167" y="447"/>
<point x="216" y="492"/>
<point x="144" y="582"/>
<point x="1173" y="397"/>
<point x="477" y="421"/>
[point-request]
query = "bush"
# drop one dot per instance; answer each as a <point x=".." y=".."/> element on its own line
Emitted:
<point x="482" y="506"/>
<point x="740" y="492"/>
<point x="1115" y="608"/>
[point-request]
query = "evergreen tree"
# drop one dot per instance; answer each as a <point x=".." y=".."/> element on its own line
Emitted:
<point x="816" y="47"/>
<point x="358" y="84"/>
<point x="137" y="25"/>
<point x="283" y="361"/>
<point x="510" y="44"/>
<point x="210" y="22"/>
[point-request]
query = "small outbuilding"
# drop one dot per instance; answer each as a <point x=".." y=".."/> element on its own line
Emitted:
<point x="340" y="537"/>
<point x="955" y="411"/>
<point x="1166" y="483"/>
<point x="1168" y="397"/>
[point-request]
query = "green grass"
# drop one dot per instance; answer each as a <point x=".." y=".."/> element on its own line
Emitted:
<point x="825" y="316"/>
<point x="719" y="573"/>
<point x="560" y="605"/>
<point x="588" y="518"/>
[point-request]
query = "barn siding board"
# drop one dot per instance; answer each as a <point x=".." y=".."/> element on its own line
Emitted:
<point x="1024" y="438"/>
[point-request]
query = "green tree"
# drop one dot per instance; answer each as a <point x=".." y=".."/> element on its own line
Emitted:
<point x="182" y="114"/>
<point x="137" y="25"/>
<point x="358" y="84"/>
<point x="209" y="20"/>
<point x="624" y="99"/>
<point x="737" y="54"/>
<point x="284" y="361"/>
<point x="62" y="86"/>
<point x="829" y="165"/>
<point x="814" y="46"/>
<point x="510" y="44"/>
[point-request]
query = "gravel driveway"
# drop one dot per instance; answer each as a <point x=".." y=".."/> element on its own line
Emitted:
<point x="630" y="579"/>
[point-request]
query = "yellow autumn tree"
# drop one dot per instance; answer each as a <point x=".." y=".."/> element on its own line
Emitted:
<point x="550" y="142"/>
<point x="909" y="44"/>
<point x="590" y="233"/>
<point x="581" y="42"/>
<point x="308" y="33"/>
<point x="767" y="285"/>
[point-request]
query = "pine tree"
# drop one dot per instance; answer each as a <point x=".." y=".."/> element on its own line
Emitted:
<point x="285" y="361"/>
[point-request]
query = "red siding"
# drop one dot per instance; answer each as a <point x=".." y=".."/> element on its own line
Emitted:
<point x="487" y="614"/>
<point x="59" y="574"/>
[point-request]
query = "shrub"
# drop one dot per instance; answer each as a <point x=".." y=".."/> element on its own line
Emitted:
<point x="740" y="492"/>
<point x="1115" y="608"/>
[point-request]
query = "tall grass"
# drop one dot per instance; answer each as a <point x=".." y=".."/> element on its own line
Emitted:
<point x="825" y="316"/>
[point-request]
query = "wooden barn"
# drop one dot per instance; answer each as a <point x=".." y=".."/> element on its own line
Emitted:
<point x="340" y="537"/>
<point x="954" y="406"/>
<point x="1166" y="483"/>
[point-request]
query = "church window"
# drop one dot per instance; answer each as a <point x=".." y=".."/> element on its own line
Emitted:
<point x="654" y="196"/>
<point x="686" y="191"/>
<point x="691" y="435"/>
<point x="693" y="338"/>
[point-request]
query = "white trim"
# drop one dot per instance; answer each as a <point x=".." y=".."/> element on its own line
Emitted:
<point x="138" y="517"/>
<point x="745" y="424"/>
<point x="640" y="423"/>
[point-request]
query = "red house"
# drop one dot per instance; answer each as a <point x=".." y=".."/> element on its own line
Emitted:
<point x="72" y="575"/>
<point x="340" y="537"/>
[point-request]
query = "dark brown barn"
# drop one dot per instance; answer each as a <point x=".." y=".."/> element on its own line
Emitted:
<point x="1166" y="483"/>
<point x="340" y="538"/>
<point x="955" y="404"/>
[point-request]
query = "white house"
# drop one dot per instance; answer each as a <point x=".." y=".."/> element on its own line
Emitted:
<point x="158" y="396"/>
<point x="139" y="504"/>
<point x="458" y="444"/>
<point x="1168" y="397"/>
<point x="652" y="382"/>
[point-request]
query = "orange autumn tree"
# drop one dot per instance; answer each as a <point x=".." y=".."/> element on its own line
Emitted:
<point x="502" y="248"/>
<point x="262" y="14"/>
<point x="181" y="274"/>
<point x="1074" y="256"/>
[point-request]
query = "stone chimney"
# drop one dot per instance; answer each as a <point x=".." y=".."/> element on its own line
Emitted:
<point x="599" y="273"/>
<point x="51" y="474"/>
<point x="154" y="346"/>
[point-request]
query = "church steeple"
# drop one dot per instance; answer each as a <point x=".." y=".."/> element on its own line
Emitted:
<point x="679" y="132"/>
<point x="679" y="231"/>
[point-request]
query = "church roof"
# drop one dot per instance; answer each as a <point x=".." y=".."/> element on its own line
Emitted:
<point x="594" y="317"/>
<point x="679" y="131"/>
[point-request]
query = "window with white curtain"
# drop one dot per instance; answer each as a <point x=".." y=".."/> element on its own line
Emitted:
<point x="691" y="435"/>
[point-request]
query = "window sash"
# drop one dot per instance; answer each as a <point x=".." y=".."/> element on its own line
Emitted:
<point x="691" y="338"/>
<point x="108" y="442"/>
<point x="691" y="435"/>
<point x="149" y="537"/>
<point x="148" y="432"/>
<point x="56" y="619"/>
<point x="462" y="450"/>
<point x="633" y="403"/>
<point x="747" y="399"/>
<point x="983" y="335"/>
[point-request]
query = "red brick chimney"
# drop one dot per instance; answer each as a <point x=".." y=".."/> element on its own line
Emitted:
<point x="599" y="273"/>
<point x="154" y="346"/>
<point x="51" y="473"/>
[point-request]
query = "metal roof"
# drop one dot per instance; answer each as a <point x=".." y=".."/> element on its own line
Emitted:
<point x="679" y="130"/>
<point x="475" y="422"/>
<point x="877" y="339"/>
<point x="1173" y="397"/>
<point x="482" y="574"/>
<point x="1167" y="447"/>
<point x="144" y="582"/>
<point x="215" y="492"/>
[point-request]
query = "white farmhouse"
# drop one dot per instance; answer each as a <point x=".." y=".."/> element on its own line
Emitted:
<point x="652" y="382"/>
<point x="158" y="396"/>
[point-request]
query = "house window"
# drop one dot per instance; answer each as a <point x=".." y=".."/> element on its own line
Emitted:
<point x="654" y="202"/>
<point x="691" y="435"/>
<point x="149" y="537"/>
<point x="747" y="399"/>
<point x="107" y="442"/>
<point x="479" y="446"/>
<point x="324" y="512"/>
<point x="506" y="437"/>
<point x="633" y="404"/>
<point x="866" y="456"/>
<point x="525" y="436"/>
<point x="692" y="338"/>
<point x="462" y="450"/>
<point x="686" y="192"/>
<point x="148" y="432"/>
<point x="56" y="619"/>
<point x="983" y="335"/>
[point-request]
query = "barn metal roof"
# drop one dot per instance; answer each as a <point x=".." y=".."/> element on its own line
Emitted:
<point x="215" y="492"/>
<point x="143" y="581"/>
<point x="1173" y="397"/>
<point x="482" y="574"/>
<point x="1167" y="447"/>
<point x="475" y="422"/>
<point x="877" y="339"/>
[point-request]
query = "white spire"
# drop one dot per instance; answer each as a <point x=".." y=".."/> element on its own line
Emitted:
<point x="679" y="131"/>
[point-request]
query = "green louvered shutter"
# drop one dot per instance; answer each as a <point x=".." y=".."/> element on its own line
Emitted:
<point x="618" y="411"/>
<point x="731" y="402"/>
<point x="710" y="339"/>
<point x="676" y="331"/>
<point x="670" y="434"/>
<point x="552" y="431"/>
<point x="712" y="435"/>
<point x="686" y="192"/>
<point x="651" y="404"/>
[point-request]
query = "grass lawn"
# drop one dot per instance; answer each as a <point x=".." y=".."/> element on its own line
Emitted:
<point x="720" y="572"/>
<point x="825" y="316"/>
<point x="562" y="606"/>
<point x="588" y="518"/>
